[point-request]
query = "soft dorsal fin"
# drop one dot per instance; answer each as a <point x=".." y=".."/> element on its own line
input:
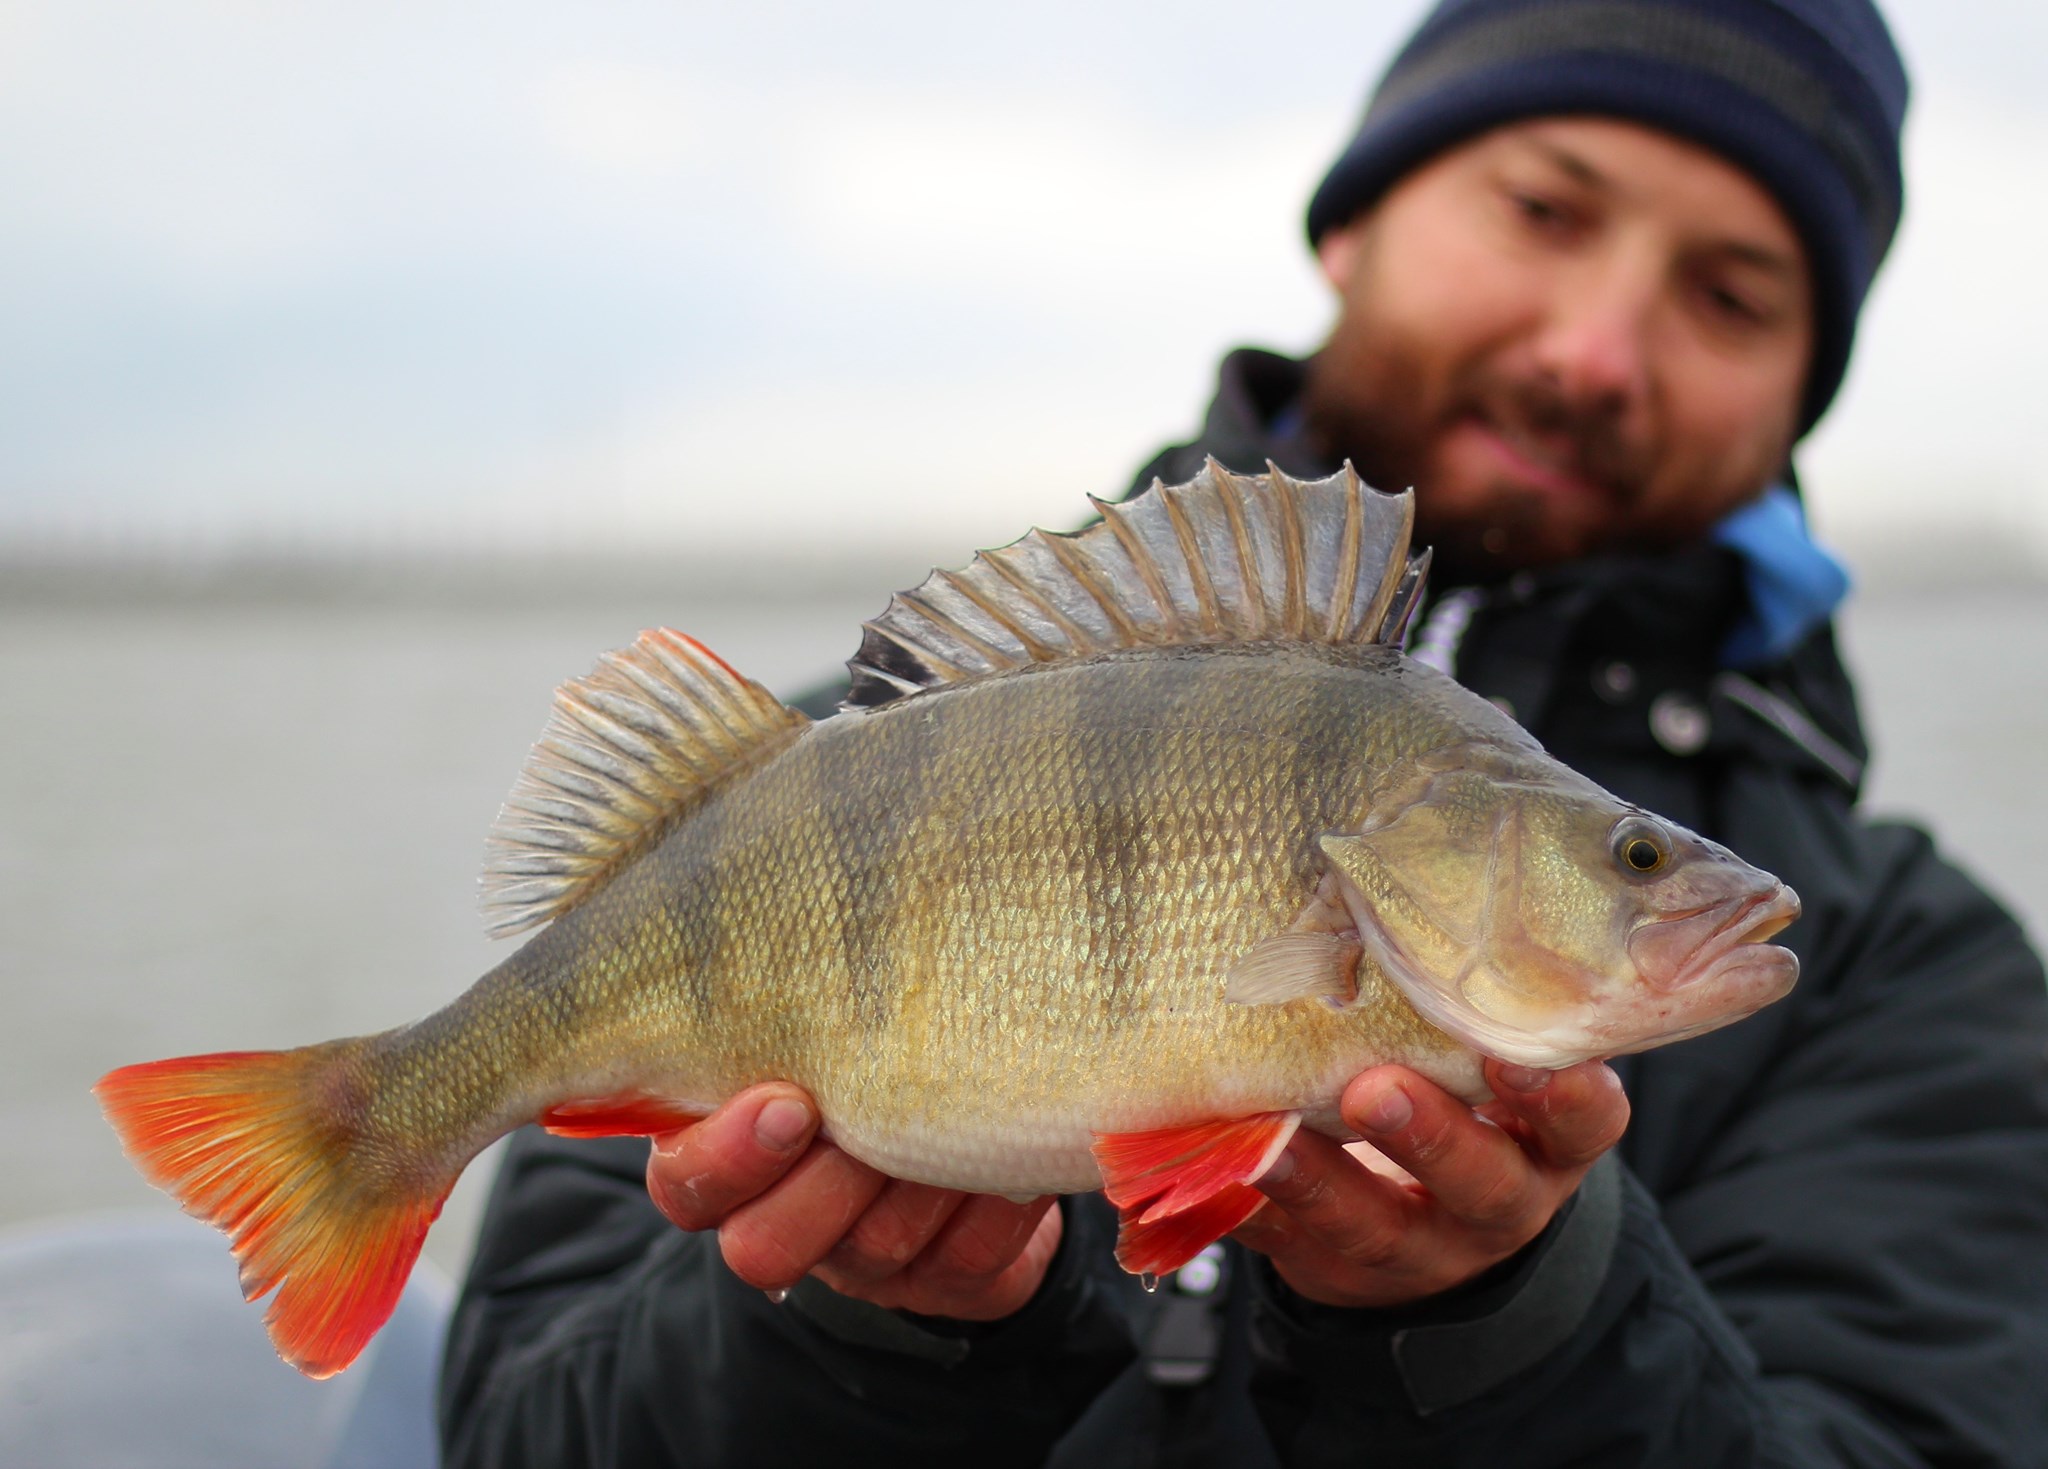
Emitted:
<point x="630" y="746"/>
<point x="1224" y="558"/>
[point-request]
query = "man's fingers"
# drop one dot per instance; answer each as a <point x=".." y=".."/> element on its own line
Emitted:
<point x="988" y="1261"/>
<point x="773" y="1241"/>
<point x="701" y="1174"/>
<point x="1331" y="1198"/>
<point x="984" y="1237"/>
<point x="895" y="1228"/>
<point x="1474" y="1170"/>
<point x="1476" y="1186"/>
<point x="985" y="1261"/>
<point x="1571" y="1116"/>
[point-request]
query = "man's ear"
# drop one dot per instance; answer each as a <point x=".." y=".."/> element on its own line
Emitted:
<point x="1338" y="251"/>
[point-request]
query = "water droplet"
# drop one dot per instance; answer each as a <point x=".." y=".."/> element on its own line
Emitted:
<point x="776" y="1297"/>
<point x="1149" y="1281"/>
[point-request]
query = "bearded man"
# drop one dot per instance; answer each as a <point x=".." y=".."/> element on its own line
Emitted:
<point x="1598" y="265"/>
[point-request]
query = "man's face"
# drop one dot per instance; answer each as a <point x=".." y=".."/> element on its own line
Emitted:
<point x="1570" y="335"/>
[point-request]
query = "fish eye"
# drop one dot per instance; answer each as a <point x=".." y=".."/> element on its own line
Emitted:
<point x="1641" y="847"/>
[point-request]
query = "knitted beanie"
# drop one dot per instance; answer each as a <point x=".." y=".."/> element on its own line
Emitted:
<point x="1806" y="96"/>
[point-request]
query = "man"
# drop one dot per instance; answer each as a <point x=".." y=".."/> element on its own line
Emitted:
<point x="1598" y="265"/>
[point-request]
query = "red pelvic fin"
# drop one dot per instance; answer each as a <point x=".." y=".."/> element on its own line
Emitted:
<point x="1164" y="1245"/>
<point x="265" y="1146"/>
<point x="1178" y="1189"/>
<point x="626" y="1114"/>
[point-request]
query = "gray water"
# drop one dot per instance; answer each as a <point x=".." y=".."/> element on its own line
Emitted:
<point x="230" y="825"/>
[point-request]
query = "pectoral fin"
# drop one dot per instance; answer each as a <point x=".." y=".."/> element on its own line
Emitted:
<point x="1317" y="955"/>
<point x="1291" y="966"/>
<point x="1179" y="1189"/>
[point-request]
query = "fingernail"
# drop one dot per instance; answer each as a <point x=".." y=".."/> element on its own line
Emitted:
<point x="1282" y="1170"/>
<point x="1390" y="1111"/>
<point x="782" y="1124"/>
<point x="1525" y="1078"/>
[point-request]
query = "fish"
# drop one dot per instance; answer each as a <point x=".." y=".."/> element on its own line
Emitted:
<point x="1128" y="849"/>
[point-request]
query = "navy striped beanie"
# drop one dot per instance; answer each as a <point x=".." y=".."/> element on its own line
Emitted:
<point x="1806" y="96"/>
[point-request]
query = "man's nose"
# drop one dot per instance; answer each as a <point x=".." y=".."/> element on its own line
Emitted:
<point x="1595" y="343"/>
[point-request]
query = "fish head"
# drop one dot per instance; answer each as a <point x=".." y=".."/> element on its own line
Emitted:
<point x="1541" y="920"/>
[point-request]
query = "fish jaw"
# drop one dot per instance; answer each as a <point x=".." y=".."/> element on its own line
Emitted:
<point x="1681" y="951"/>
<point x="1726" y="973"/>
<point x="1724" y="969"/>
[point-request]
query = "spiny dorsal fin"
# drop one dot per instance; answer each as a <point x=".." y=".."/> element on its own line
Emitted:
<point x="1224" y="558"/>
<point x="630" y="747"/>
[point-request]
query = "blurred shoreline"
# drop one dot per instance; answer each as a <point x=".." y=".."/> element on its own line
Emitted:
<point x="433" y="578"/>
<point x="111" y="570"/>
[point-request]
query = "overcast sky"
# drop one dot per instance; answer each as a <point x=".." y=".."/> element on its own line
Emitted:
<point x="897" y="273"/>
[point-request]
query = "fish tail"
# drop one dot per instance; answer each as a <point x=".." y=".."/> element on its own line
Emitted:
<point x="277" y="1149"/>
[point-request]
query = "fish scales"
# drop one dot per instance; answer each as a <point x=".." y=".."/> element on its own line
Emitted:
<point x="1131" y="850"/>
<point x="1051" y="872"/>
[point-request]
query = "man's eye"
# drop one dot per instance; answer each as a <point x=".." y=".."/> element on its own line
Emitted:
<point x="1732" y="305"/>
<point x="1537" y="209"/>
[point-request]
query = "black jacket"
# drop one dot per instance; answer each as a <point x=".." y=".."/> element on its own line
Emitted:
<point x="1824" y="1242"/>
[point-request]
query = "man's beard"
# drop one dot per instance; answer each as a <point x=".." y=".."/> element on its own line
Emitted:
<point x="1370" y="401"/>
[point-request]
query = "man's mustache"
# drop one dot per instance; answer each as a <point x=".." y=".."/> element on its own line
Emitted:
<point x="1583" y="437"/>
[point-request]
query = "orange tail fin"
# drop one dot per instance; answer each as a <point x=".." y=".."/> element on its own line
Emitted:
<point x="265" y="1145"/>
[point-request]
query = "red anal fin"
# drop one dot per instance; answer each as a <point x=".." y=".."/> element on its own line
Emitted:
<point x="1178" y="1189"/>
<point x="626" y="1114"/>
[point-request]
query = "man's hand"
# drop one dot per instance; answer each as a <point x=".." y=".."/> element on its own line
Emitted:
<point x="786" y="1206"/>
<point x="1482" y="1183"/>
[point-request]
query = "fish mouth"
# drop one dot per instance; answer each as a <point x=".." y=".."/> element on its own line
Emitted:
<point x="1717" y="942"/>
<point x="1725" y="969"/>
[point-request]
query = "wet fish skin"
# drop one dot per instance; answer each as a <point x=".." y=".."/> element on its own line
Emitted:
<point x="1124" y="916"/>
<point x="981" y="926"/>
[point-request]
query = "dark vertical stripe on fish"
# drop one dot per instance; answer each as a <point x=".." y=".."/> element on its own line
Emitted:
<point x="1123" y="771"/>
<point x="700" y="914"/>
<point x="1315" y="781"/>
<point x="864" y="828"/>
<point x="1111" y="771"/>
